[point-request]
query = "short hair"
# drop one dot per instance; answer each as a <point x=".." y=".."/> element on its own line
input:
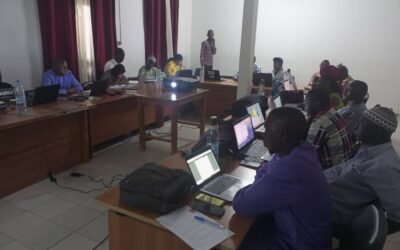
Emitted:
<point x="178" y="57"/>
<point x="117" y="70"/>
<point x="325" y="61"/>
<point x="359" y="90"/>
<point x="343" y="70"/>
<point x="290" y="120"/>
<point x="278" y="60"/>
<point x="320" y="95"/>
<point x="58" y="62"/>
<point x="119" y="51"/>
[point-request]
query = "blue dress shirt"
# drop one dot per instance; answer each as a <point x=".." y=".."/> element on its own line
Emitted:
<point x="66" y="82"/>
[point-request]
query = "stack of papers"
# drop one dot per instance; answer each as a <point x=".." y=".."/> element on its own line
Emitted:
<point x="195" y="233"/>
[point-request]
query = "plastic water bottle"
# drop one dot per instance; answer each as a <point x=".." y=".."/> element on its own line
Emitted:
<point x="213" y="136"/>
<point x="261" y="87"/>
<point x="202" y="74"/>
<point x="20" y="100"/>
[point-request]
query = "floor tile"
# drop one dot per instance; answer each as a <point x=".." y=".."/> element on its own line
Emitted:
<point x="104" y="246"/>
<point x="20" y="225"/>
<point x="391" y="246"/>
<point x="97" y="229"/>
<point x="75" y="241"/>
<point x="15" y="246"/>
<point x="4" y="241"/>
<point x="77" y="197"/>
<point x="48" y="187"/>
<point x="394" y="238"/>
<point x="44" y="236"/>
<point x="92" y="204"/>
<point x="53" y="208"/>
<point x="9" y="211"/>
<point x="28" y="198"/>
<point x="76" y="217"/>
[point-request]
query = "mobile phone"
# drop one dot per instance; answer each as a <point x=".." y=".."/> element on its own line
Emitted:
<point x="210" y="199"/>
<point x="208" y="208"/>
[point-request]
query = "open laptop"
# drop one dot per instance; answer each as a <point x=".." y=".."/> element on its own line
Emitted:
<point x="258" y="77"/>
<point x="184" y="73"/>
<point x="208" y="177"/>
<point x="42" y="95"/>
<point x="257" y="118"/>
<point x="99" y="88"/>
<point x="212" y="75"/>
<point x="247" y="145"/>
<point x="278" y="101"/>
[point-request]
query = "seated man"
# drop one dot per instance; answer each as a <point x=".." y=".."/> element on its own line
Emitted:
<point x="60" y="74"/>
<point x="149" y="69"/>
<point x="289" y="196"/>
<point x="315" y="77"/>
<point x="354" y="94"/>
<point x="343" y="76"/>
<point x="372" y="175"/>
<point x="173" y="65"/>
<point x="327" y="131"/>
<point x="118" y="58"/>
<point x="329" y="84"/>
<point x="256" y="69"/>
<point x="115" y="75"/>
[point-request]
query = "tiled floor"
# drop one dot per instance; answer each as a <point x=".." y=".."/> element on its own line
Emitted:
<point x="45" y="216"/>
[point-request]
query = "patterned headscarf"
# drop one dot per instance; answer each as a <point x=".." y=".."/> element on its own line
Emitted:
<point x="383" y="117"/>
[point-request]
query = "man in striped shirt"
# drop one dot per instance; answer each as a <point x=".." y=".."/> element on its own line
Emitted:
<point x="327" y="130"/>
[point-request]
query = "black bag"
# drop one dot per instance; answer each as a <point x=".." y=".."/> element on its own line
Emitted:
<point x="156" y="188"/>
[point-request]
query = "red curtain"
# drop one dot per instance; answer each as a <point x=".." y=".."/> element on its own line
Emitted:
<point x="175" y="23"/>
<point x="58" y="29"/>
<point x="154" y="30"/>
<point x="104" y="33"/>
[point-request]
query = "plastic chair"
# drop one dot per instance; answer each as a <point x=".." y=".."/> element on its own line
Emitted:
<point x="366" y="231"/>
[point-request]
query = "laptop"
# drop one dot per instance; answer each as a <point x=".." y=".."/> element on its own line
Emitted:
<point x="258" y="77"/>
<point x="257" y="118"/>
<point x="246" y="144"/>
<point x="184" y="73"/>
<point x="99" y="88"/>
<point x="208" y="177"/>
<point x="212" y="75"/>
<point x="42" y="95"/>
<point x="278" y="101"/>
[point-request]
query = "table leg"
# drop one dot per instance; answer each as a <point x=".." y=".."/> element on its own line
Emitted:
<point x="202" y="114"/>
<point x="174" y="128"/>
<point x="142" y="128"/>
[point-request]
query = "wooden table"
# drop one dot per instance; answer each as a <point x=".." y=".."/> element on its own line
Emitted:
<point x="153" y="94"/>
<point x="222" y="95"/>
<point x="131" y="228"/>
<point x="50" y="137"/>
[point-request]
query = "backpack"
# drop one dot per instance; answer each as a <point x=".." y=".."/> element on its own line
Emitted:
<point x="156" y="188"/>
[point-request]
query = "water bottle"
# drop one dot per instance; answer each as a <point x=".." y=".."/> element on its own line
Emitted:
<point x="213" y="136"/>
<point x="261" y="87"/>
<point x="202" y="74"/>
<point x="20" y="100"/>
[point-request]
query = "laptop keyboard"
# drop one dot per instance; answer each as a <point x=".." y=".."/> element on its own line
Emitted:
<point x="221" y="184"/>
<point x="257" y="149"/>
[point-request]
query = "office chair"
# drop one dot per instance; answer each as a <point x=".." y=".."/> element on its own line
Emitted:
<point x="366" y="231"/>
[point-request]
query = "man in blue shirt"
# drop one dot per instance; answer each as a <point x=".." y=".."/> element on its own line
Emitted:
<point x="60" y="74"/>
<point x="290" y="196"/>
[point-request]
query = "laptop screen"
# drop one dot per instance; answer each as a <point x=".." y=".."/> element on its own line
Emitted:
<point x="278" y="101"/>
<point x="256" y="115"/>
<point x="203" y="166"/>
<point x="243" y="132"/>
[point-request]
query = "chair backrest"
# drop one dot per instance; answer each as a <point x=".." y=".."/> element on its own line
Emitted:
<point x="366" y="231"/>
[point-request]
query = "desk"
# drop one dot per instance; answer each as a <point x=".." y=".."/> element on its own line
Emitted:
<point x="152" y="94"/>
<point x="222" y="95"/>
<point x="48" y="137"/>
<point x="131" y="228"/>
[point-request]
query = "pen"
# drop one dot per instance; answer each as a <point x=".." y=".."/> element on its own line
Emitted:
<point x="203" y="220"/>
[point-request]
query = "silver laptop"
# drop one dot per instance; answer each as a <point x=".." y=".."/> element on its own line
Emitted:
<point x="247" y="145"/>
<point x="257" y="118"/>
<point x="207" y="175"/>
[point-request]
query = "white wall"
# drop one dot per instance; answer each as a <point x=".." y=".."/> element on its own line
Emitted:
<point x="362" y="34"/>
<point x="225" y="18"/>
<point x="20" y="43"/>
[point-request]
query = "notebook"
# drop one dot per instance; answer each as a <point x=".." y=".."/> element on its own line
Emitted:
<point x="247" y="145"/>
<point x="257" y="118"/>
<point x="208" y="177"/>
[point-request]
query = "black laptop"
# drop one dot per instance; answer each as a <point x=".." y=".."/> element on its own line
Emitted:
<point x="99" y="88"/>
<point x="42" y="95"/>
<point x="212" y="75"/>
<point x="246" y="143"/>
<point x="258" y="77"/>
<point x="184" y="73"/>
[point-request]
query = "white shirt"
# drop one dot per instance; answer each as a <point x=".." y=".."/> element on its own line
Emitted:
<point x="110" y="64"/>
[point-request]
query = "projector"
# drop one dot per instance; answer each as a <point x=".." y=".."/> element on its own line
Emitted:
<point x="181" y="84"/>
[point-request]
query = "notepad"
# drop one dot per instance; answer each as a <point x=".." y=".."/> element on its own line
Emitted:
<point x="196" y="234"/>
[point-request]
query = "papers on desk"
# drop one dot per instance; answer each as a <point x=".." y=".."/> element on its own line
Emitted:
<point x="193" y="232"/>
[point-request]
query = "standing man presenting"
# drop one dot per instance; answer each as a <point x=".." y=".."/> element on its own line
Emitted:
<point x="207" y="51"/>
